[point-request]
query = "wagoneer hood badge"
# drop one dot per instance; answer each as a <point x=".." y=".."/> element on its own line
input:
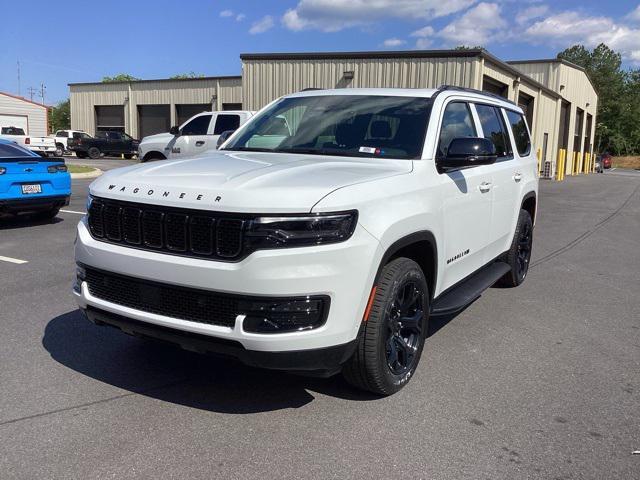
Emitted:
<point x="243" y="181"/>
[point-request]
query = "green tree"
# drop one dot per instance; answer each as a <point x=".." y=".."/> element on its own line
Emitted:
<point x="60" y="116"/>
<point x="618" y="122"/>
<point x="182" y="76"/>
<point x="120" y="77"/>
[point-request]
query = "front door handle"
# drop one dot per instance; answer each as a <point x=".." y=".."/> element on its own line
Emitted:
<point x="517" y="177"/>
<point x="485" y="187"/>
<point x="199" y="143"/>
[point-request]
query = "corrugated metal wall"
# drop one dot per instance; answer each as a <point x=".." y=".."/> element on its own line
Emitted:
<point x="84" y="98"/>
<point x="36" y="115"/>
<point x="266" y="80"/>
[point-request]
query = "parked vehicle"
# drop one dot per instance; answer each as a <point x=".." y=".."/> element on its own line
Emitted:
<point x="607" y="160"/>
<point x="62" y="137"/>
<point x="197" y="135"/>
<point x="323" y="248"/>
<point x="31" y="185"/>
<point x="41" y="145"/>
<point x="104" y="143"/>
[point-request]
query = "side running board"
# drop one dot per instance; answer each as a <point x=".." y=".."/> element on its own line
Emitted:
<point x="469" y="289"/>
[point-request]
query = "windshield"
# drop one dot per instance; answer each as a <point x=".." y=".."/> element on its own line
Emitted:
<point x="346" y="125"/>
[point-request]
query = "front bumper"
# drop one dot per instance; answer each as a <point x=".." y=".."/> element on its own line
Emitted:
<point x="31" y="205"/>
<point x="344" y="272"/>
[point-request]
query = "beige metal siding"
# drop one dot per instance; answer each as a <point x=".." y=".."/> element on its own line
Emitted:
<point x="36" y="114"/>
<point x="84" y="98"/>
<point x="266" y="80"/>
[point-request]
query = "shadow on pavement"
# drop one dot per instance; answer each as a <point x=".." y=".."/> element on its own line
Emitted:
<point x="25" y="221"/>
<point x="174" y="375"/>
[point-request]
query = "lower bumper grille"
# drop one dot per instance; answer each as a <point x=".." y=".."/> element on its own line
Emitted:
<point x="161" y="299"/>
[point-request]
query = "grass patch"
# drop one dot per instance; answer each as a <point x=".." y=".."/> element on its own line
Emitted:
<point x="626" y="162"/>
<point x="79" y="169"/>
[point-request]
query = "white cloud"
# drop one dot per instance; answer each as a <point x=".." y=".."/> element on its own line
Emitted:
<point x="423" y="43"/>
<point x="569" y="28"/>
<point x="477" y="26"/>
<point x="393" y="42"/>
<point x="635" y="15"/>
<point x="240" y="17"/>
<point x="334" y="15"/>
<point x="226" y="13"/>
<point x="530" y="13"/>
<point x="262" y="25"/>
<point x="423" y="32"/>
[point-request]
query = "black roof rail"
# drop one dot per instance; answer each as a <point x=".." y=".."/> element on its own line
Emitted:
<point x="309" y="89"/>
<point x="443" y="88"/>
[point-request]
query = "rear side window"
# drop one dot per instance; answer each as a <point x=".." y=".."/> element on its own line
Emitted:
<point x="456" y="122"/>
<point x="63" y="134"/>
<point x="226" y="122"/>
<point x="197" y="126"/>
<point x="494" y="129"/>
<point x="12" y="131"/>
<point x="520" y="133"/>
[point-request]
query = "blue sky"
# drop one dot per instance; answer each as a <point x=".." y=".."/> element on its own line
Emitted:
<point x="78" y="41"/>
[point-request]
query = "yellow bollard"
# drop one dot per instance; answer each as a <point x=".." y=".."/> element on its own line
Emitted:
<point x="539" y="156"/>
<point x="561" y="164"/>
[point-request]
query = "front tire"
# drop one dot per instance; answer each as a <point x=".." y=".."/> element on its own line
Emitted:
<point x="59" y="150"/>
<point x="391" y="339"/>
<point x="94" y="153"/>
<point x="519" y="255"/>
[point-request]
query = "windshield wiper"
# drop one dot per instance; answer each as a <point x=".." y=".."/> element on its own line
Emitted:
<point x="313" y="151"/>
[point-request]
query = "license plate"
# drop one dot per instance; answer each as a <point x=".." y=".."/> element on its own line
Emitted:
<point x="28" y="189"/>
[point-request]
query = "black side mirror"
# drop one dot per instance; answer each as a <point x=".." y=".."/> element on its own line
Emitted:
<point x="174" y="131"/>
<point x="223" y="137"/>
<point x="465" y="152"/>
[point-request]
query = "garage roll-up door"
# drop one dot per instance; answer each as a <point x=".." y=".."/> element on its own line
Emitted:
<point x="185" y="111"/>
<point x="153" y="119"/>
<point x="109" y="117"/>
<point x="18" y="121"/>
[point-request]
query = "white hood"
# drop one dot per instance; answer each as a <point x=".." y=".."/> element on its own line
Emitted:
<point x="252" y="182"/>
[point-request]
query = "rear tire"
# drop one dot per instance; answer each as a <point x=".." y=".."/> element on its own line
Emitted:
<point x="59" y="150"/>
<point x="391" y="339"/>
<point x="94" y="153"/>
<point x="128" y="156"/>
<point x="519" y="254"/>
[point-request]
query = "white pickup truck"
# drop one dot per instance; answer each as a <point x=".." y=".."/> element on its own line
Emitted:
<point x="198" y="134"/>
<point x="41" y="145"/>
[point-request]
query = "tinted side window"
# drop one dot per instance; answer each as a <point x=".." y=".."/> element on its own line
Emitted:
<point x="520" y="133"/>
<point x="63" y="134"/>
<point x="226" y="122"/>
<point x="197" y="126"/>
<point x="456" y="122"/>
<point x="113" y="135"/>
<point x="494" y="129"/>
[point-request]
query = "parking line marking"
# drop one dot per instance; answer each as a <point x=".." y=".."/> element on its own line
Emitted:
<point x="12" y="260"/>
<point x="73" y="211"/>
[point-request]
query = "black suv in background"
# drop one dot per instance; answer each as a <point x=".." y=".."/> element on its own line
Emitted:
<point x="107" y="143"/>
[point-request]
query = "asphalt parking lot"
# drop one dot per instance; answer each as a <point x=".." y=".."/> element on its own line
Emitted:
<point x="542" y="381"/>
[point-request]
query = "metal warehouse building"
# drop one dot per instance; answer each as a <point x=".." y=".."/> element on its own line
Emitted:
<point x="558" y="97"/>
<point x="19" y="112"/>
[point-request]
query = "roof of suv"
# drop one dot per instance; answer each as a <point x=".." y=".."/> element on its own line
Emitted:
<point x="412" y="92"/>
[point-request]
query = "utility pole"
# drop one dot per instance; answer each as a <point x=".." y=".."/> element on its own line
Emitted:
<point x="42" y="90"/>
<point x="32" y="91"/>
<point x="18" y="62"/>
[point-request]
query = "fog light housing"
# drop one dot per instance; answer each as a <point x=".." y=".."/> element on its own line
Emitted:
<point x="284" y="315"/>
<point x="81" y="274"/>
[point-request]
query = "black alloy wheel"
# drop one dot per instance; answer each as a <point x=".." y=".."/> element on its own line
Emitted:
<point x="404" y="327"/>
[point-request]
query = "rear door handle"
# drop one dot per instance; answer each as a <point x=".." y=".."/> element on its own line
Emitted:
<point x="517" y="177"/>
<point x="485" y="187"/>
<point x="199" y="143"/>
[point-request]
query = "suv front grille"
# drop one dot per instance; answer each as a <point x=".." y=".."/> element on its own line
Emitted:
<point x="182" y="303"/>
<point x="195" y="233"/>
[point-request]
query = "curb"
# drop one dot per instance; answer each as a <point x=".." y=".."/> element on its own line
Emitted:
<point x="95" y="173"/>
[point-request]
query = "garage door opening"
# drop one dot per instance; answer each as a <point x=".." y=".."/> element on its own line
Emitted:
<point x="153" y="119"/>
<point x="187" y="110"/>
<point x="494" y="86"/>
<point x="109" y="118"/>
<point x="17" y="121"/>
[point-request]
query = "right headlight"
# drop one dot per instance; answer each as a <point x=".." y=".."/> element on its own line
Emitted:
<point x="267" y="232"/>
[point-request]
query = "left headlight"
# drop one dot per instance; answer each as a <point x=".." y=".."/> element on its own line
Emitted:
<point x="300" y="230"/>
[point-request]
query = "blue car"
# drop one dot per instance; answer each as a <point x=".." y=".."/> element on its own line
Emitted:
<point x="30" y="184"/>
